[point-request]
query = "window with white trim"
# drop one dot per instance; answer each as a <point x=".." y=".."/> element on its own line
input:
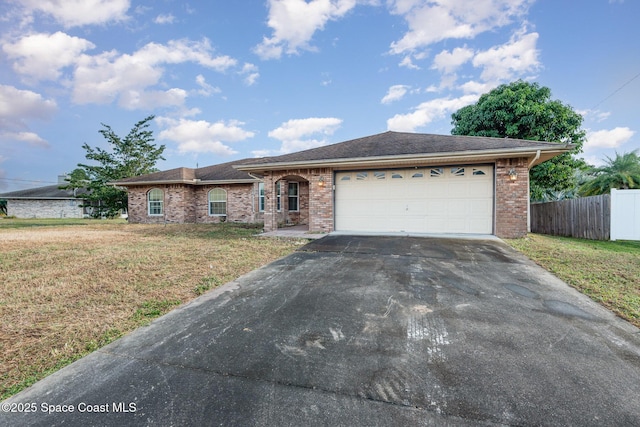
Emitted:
<point x="218" y="202"/>
<point x="293" y="196"/>
<point x="155" y="202"/>
<point x="261" y="197"/>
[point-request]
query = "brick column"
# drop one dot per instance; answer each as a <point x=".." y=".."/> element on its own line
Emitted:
<point x="321" y="201"/>
<point x="270" y="198"/>
<point x="512" y="198"/>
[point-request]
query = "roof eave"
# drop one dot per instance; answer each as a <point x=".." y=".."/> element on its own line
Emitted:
<point x="38" y="198"/>
<point x="183" y="181"/>
<point x="484" y="155"/>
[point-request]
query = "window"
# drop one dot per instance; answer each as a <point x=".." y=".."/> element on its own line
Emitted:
<point x="417" y="175"/>
<point x="155" y="202"/>
<point x="360" y="176"/>
<point x="379" y="175"/>
<point x="396" y="175"/>
<point x="218" y="202"/>
<point x="457" y="171"/>
<point x="346" y="178"/>
<point x="478" y="172"/>
<point x="261" y="197"/>
<point x="436" y="172"/>
<point x="278" y="196"/>
<point x="293" y="196"/>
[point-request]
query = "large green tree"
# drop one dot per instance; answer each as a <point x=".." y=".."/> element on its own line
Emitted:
<point x="525" y="110"/>
<point x="133" y="155"/>
<point x="622" y="173"/>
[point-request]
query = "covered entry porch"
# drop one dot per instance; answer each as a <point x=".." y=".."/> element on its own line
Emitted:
<point x="300" y="197"/>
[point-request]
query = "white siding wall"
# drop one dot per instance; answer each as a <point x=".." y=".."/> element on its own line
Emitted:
<point x="20" y="208"/>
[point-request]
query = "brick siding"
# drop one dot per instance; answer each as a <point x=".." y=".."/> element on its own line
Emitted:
<point x="190" y="204"/>
<point x="512" y="198"/>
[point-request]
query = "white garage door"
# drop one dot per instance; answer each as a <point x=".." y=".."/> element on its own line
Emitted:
<point x="451" y="199"/>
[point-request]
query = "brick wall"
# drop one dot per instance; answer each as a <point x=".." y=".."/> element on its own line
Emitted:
<point x="21" y="208"/>
<point x="512" y="198"/>
<point x="179" y="204"/>
<point x="190" y="204"/>
<point x="241" y="203"/>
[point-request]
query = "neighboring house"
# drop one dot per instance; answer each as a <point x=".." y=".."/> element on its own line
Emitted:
<point x="44" y="202"/>
<point x="389" y="182"/>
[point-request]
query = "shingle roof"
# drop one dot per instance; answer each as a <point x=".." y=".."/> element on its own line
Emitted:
<point x="387" y="144"/>
<point x="402" y="143"/>
<point x="47" y="192"/>
<point x="221" y="172"/>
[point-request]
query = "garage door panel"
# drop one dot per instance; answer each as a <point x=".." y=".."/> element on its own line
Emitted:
<point x="480" y="207"/>
<point x="481" y="188"/>
<point x="454" y="199"/>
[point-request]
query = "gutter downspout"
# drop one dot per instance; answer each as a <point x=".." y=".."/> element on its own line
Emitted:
<point x="534" y="159"/>
<point x="537" y="156"/>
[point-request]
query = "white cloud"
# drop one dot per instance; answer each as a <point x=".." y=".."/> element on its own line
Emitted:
<point x="427" y="112"/>
<point x="17" y="107"/>
<point x="433" y="21"/>
<point x="298" y="134"/>
<point x="517" y="57"/>
<point x="294" y="22"/>
<point x="43" y="56"/>
<point x="30" y="138"/>
<point x="250" y="71"/>
<point x="165" y="19"/>
<point x="477" y="88"/>
<point x="147" y="100"/>
<point x="17" y="104"/>
<point x="448" y="62"/>
<point x="102" y="78"/>
<point x="597" y="115"/>
<point x="200" y="136"/>
<point x="608" y="138"/>
<point x="75" y="13"/>
<point x="205" y="88"/>
<point x="407" y="62"/>
<point x="395" y="93"/>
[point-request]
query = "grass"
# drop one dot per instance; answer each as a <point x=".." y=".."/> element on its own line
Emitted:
<point x="608" y="272"/>
<point x="70" y="287"/>
<point x="11" y="223"/>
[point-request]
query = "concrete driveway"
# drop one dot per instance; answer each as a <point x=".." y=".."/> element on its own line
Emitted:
<point x="363" y="331"/>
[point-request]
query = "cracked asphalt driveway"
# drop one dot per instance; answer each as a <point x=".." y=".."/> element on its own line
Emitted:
<point x="364" y="330"/>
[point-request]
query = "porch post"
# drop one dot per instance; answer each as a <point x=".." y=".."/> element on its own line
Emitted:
<point x="270" y="214"/>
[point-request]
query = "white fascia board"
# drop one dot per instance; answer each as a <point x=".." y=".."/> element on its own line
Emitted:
<point x="417" y="158"/>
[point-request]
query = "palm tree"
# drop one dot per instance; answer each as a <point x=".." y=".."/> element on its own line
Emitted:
<point x="623" y="172"/>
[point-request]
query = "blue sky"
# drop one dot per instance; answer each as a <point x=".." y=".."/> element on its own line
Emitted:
<point x="234" y="79"/>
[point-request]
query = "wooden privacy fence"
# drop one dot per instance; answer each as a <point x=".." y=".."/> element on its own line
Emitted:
<point x="586" y="217"/>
